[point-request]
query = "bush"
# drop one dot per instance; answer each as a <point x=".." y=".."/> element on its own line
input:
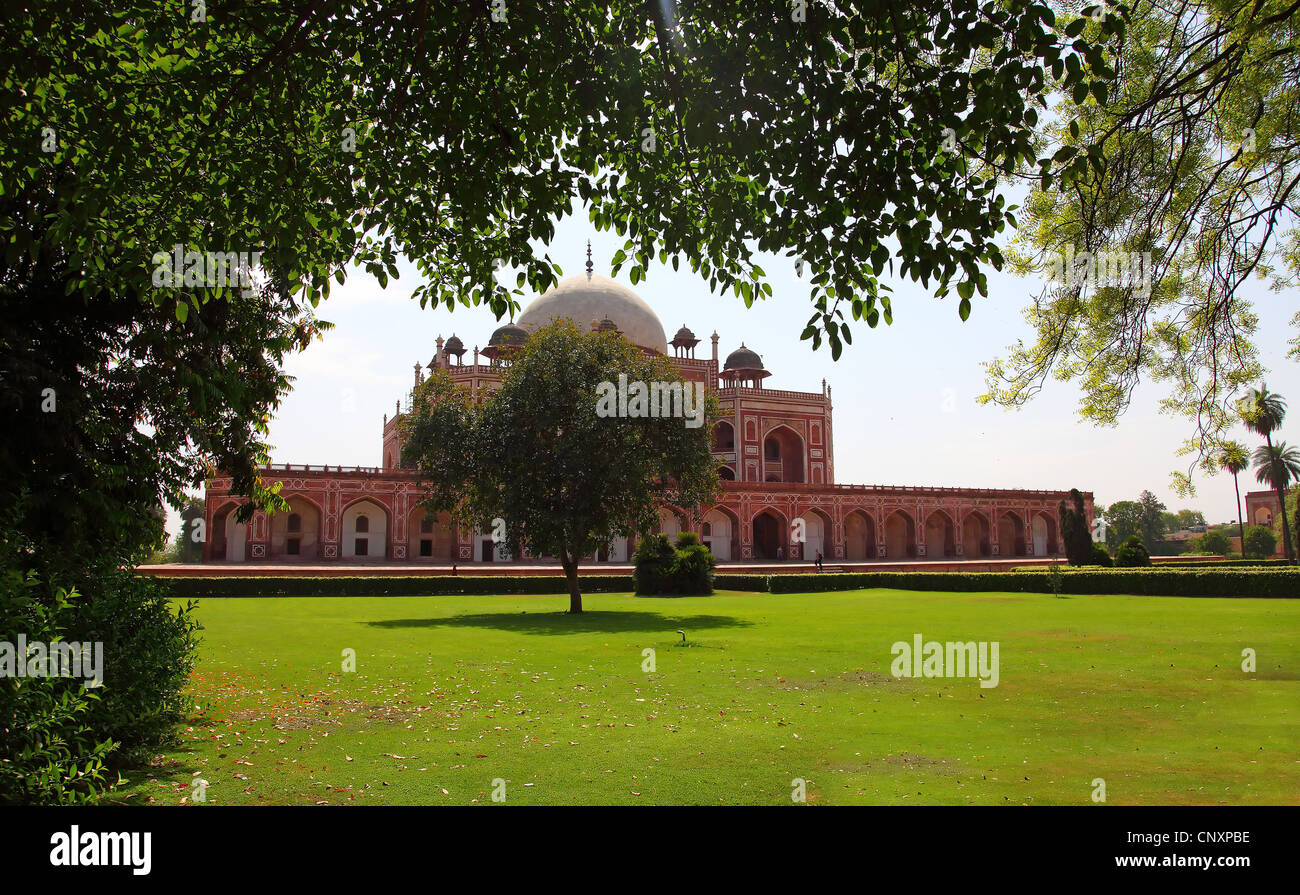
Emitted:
<point x="1260" y="541"/>
<point x="1100" y="555"/>
<point x="663" y="569"/>
<point x="1132" y="553"/>
<point x="654" y="558"/>
<point x="50" y="752"/>
<point x="1250" y="582"/>
<point x="693" y="570"/>
<point x="149" y="651"/>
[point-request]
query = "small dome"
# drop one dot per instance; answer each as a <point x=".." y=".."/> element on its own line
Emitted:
<point x="684" y="335"/>
<point x="606" y="326"/>
<point x="743" y="359"/>
<point x="508" y="336"/>
<point x="454" y="346"/>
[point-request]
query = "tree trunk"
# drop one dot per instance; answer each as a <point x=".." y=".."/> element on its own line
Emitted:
<point x="571" y="575"/>
<point x="1241" y="526"/>
<point x="1287" y="550"/>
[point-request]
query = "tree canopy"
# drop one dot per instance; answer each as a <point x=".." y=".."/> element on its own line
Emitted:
<point x="860" y="138"/>
<point x="1193" y="191"/>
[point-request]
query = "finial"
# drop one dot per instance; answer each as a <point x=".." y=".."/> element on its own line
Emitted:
<point x="589" y="265"/>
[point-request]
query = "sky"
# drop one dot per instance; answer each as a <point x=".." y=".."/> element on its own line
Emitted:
<point x="905" y="409"/>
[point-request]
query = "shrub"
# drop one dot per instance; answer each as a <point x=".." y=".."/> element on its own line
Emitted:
<point x="50" y="752"/>
<point x="1132" y="553"/>
<point x="1100" y="555"/>
<point x="1260" y="541"/>
<point x="694" y="566"/>
<point x="149" y="651"/>
<point x="684" y="569"/>
<point x="654" y="558"/>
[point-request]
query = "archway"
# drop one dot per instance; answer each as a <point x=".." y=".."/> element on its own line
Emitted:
<point x="1011" y="535"/>
<point x="940" y="536"/>
<point x="724" y="437"/>
<point x="718" y="531"/>
<point x="817" y="528"/>
<point x="229" y="538"/>
<point x="295" y="534"/>
<point x="669" y="525"/>
<point x="769" y="534"/>
<point x="975" y="535"/>
<point x="859" y="536"/>
<point x="783" y="456"/>
<point x="1045" y="541"/>
<point x="365" y="532"/>
<point x="900" y="536"/>
<point x="430" y="538"/>
<point x="726" y="473"/>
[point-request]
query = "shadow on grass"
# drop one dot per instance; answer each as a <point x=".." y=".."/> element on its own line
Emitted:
<point x="589" y="622"/>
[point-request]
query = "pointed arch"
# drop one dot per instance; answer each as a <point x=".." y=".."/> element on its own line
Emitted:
<point x="900" y="535"/>
<point x="859" y="536"/>
<point x="940" y="535"/>
<point x="975" y="535"/>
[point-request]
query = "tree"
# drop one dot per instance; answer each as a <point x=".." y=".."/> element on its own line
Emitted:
<point x="1075" y="531"/>
<point x="1123" y="520"/>
<point x="1213" y="542"/>
<point x="875" y="145"/>
<point x="1260" y="541"/>
<point x="1277" y="465"/>
<point x="1152" y="521"/>
<point x="1193" y="172"/>
<point x="1189" y="518"/>
<point x="1233" y="457"/>
<point x="1263" y="412"/>
<point x="542" y="460"/>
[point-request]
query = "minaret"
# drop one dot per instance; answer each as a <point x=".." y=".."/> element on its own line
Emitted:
<point x="589" y="264"/>
<point x="715" y="346"/>
<point x="437" y="357"/>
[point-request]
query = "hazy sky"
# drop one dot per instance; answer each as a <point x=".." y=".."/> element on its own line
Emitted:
<point x="904" y="395"/>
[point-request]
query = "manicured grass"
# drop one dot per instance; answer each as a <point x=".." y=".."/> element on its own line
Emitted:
<point x="451" y="693"/>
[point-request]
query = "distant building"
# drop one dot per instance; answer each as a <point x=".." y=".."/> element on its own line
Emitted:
<point x="774" y="450"/>
<point x="1262" y="508"/>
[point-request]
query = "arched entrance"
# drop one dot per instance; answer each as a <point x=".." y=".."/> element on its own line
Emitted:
<point x="900" y="536"/>
<point x="717" y="532"/>
<point x="940" y="536"/>
<point x="295" y="534"/>
<point x="769" y="534"/>
<point x="1011" y="535"/>
<point x="430" y="538"/>
<point x="817" y="528"/>
<point x="229" y="538"/>
<point x="859" y="536"/>
<point x="783" y="456"/>
<point x="365" y="532"/>
<point x="975" y="536"/>
<point x="1045" y="541"/>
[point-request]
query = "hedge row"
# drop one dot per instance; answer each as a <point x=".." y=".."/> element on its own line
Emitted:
<point x="1248" y="582"/>
<point x="386" y="586"/>
<point x="1146" y="582"/>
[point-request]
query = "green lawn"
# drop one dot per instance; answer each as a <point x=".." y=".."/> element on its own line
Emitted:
<point x="451" y="693"/>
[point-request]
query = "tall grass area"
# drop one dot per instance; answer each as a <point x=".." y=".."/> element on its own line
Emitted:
<point x="453" y="693"/>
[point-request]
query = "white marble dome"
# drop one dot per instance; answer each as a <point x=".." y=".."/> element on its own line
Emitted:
<point x="589" y="300"/>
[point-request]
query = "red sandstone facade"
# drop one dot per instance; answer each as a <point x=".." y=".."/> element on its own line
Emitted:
<point x="774" y="451"/>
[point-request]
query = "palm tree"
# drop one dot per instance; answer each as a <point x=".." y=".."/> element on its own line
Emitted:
<point x="1278" y="465"/>
<point x="1263" y="412"/>
<point x="1233" y="457"/>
